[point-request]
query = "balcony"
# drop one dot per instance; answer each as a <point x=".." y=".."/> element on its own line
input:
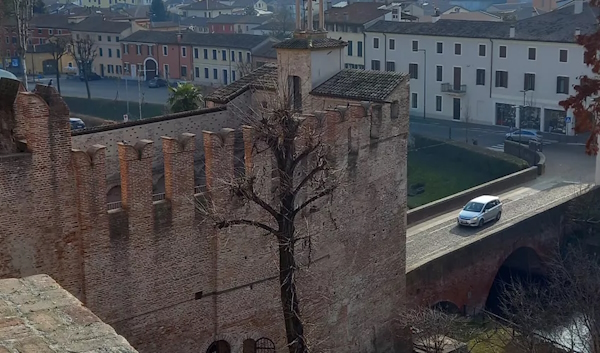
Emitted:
<point x="454" y="89"/>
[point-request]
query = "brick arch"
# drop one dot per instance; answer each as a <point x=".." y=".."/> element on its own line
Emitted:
<point x="220" y="346"/>
<point x="159" y="185"/>
<point x="447" y="307"/>
<point x="113" y="194"/>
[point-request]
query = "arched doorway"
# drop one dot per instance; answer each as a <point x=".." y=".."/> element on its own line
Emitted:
<point x="220" y="346"/>
<point x="151" y="68"/>
<point x="264" y="345"/>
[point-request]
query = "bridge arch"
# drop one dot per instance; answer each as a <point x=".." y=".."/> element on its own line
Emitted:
<point x="523" y="263"/>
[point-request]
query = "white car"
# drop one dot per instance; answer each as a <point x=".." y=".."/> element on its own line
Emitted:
<point x="479" y="211"/>
<point x="524" y="135"/>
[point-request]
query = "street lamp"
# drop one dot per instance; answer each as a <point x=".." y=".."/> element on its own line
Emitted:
<point x="424" y="81"/>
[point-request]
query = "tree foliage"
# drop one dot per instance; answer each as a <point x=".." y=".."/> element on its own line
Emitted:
<point x="283" y="24"/>
<point x="158" y="12"/>
<point x="585" y="103"/>
<point x="185" y="97"/>
<point x="39" y="7"/>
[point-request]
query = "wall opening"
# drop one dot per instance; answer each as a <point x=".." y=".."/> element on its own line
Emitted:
<point x="220" y="346"/>
<point x="447" y="307"/>
<point x="114" y="194"/>
<point x="523" y="265"/>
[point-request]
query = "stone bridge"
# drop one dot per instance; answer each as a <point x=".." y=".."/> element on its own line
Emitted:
<point x="462" y="275"/>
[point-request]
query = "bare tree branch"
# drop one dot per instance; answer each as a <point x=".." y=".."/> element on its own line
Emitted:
<point x="315" y="198"/>
<point x="233" y="222"/>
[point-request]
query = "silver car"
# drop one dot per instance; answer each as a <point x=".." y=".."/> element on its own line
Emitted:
<point x="524" y="135"/>
<point x="479" y="211"/>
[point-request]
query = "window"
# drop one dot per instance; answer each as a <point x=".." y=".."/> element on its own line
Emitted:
<point x="214" y="54"/>
<point x="118" y="53"/>
<point x="502" y="79"/>
<point x="39" y="31"/>
<point x="562" y="85"/>
<point x="439" y="47"/>
<point x="390" y="66"/>
<point x="109" y="52"/>
<point x="99" y="38"/>
<point x="247" y="57"/>
<point x="529" y="84"/>
<point x="126" y="49"/>
<point x="223" y="55"/>
<point x="108" y="38"/>
<point x="232" y="55"/>
<point x="413" y="71"/>
<point x="183" y="71"/>
<point x="206" y="54"/>
<point x="531" y="53"/>
<point x="376" y="43"/>
<point x="232" y="75"/>
<point x="438" y="73"/>
<point x="119" y="69"/>
<point x="349" y="48"/>
<point x="50" y="32"/>
<point x="413" y="101"/>
<point x="562" y="55"/>
<point x="60" y="32"/>
<point x="138" y="49"/>
<point x="196" y="53"/>
<point x="457" y="49"/>
<point x="480" y="79"/>
<point x="215" y="74"/>
<point x="502" y="51"/>
<point x="359" y="49"/>
<point x="100" y="51"/>
<point x="116" y="39"/>
<point x="183" y="52"/>
<point x="375" y="65"/>
<point x="239" y="56"/>
<point x="482" y="49"/>
<point x="205" y="72"/>
<point x="166" y="70"/>
<point x="415" y="45"/>
<point x="165" y="50"/>
<point x="150" y="50"/>
<point x="392" y="44"/>
<point x="438" y="103"/>
<point x="197" y="72"/>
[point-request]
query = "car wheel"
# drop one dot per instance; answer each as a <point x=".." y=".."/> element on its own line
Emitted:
<point x="509" y="138"/>
<point x="498" y="216"/>
<point x="480" y="224"/>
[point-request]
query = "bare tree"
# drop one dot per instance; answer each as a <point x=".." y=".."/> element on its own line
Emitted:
<point x="283" y="24"/>
<point x="302" y="175"/>
<point x="59" y="46"/>
<point x="84" y="53"/>
<point x="23" y="12"/>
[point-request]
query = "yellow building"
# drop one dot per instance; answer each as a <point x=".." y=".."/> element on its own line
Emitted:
<point x="40" y="60"/>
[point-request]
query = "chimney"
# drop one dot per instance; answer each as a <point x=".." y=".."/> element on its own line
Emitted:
<point x="179" y="36"/>
<point x="577" y="31"/>
<point x="533" y="12"/>
<point x="512" y="32"/>
<point x="329" y="5"/>
<point x="434" y="18"/>
<point x="578" y="6"/>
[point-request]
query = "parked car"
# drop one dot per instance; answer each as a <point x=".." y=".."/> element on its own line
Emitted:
<point x="479" y="211"/>
<point x="157" y="82"/>
<point x="92" y="76"/>
<point x="76" y="123"/>
<point x="524" y="135"/>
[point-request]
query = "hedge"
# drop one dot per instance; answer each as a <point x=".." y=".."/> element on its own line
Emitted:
<point x="111" y="109"/>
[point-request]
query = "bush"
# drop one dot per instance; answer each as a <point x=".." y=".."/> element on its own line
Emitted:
<point x="111" y="109"/>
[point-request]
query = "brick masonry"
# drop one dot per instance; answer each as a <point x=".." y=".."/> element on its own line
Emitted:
<point x="164" y="277"/>
<point x="38" y="316"/>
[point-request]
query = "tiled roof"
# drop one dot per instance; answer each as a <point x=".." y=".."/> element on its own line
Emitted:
<point x="361" y="85"/>
<point x="357" y="13"/>
<point x="194" y="21"/>
<point x="99" y="24"/>
<point x="234" y="19"/>
<point x="266" y="50"/>
<point x="39" y="316"/>
<point x="237" y="40"/>
<point x="50" y="21"/>
<point x="554" y="26"/>
<point x="263" y="78"/>
<point x="310" y="43"/>
<point x="41" y="48"/>
<point x="206" y="5"/>
<point x="276" y="26"/>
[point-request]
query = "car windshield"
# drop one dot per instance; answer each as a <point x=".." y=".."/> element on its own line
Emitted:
<point x="473" y="207"/>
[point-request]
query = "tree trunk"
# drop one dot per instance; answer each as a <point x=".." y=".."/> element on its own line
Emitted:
<point x="289" y="298"/>
<point x="87" y="84"/>
<point x="58" y="75"/>
<point x="25" y="84"/>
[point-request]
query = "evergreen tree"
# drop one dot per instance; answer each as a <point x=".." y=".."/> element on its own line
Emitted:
<point x="157" y="11"/>
<point x="39" y="7"/>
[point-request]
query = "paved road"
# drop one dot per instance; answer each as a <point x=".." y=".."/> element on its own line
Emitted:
<point x="437" y="236"/>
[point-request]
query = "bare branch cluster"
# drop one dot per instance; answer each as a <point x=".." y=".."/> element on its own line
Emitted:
<point x="84" y="52"/>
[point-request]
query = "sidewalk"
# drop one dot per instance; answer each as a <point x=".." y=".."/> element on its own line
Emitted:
<point x="577" y="139"/>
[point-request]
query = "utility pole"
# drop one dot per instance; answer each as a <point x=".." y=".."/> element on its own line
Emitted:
<point x="140" y="94"/>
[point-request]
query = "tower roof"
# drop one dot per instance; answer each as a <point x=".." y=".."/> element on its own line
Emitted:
<point x="310" y="43"/>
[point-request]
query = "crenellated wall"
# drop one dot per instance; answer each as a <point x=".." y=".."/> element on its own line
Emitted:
<point x="157" y="269"/>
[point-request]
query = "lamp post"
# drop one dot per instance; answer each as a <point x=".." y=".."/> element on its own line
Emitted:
<point x="424" y="81"/>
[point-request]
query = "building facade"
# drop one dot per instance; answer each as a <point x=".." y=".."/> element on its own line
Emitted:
<point x="493" y="73"/>
<point x="209" y="9"/>
<point x="236" y="23"/>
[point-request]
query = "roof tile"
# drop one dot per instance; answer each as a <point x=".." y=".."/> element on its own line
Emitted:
<point x="237" y="40"/>
<point x="361" y="85"/>
<point x="263" y="78"/>
<point x="310" y="43"/>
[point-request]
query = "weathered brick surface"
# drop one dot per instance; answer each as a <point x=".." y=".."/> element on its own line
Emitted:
<point x="39" y="316"/>
<point x="168" y="281"/>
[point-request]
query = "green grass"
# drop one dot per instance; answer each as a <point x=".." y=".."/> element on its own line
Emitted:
<point x="111" y="109"/>
<point x="442" y="177"/>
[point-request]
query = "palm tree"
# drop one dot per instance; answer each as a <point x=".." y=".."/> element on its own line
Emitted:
<point x="185" y="97"/>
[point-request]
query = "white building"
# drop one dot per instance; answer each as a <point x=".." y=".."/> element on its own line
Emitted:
<point x="488" y="72"/>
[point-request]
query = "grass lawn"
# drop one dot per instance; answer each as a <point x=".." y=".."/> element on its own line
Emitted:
<point x="442" y="176"/>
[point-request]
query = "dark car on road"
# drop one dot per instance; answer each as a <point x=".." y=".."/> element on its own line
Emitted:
<point x="92" y="76"/>
<point x="157" y="82"/>
<point x="76" y="123"/>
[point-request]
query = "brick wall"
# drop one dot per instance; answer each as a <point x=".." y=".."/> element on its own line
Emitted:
<point x="165" y="278"/>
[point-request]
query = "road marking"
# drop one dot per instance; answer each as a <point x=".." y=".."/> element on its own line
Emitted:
<point x="497" y="147"/>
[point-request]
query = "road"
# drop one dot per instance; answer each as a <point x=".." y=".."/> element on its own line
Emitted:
<point x="441" y="234"/>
